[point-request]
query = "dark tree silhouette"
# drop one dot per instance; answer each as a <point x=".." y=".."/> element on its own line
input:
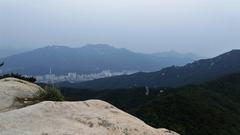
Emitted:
<point x="2" y="64"/>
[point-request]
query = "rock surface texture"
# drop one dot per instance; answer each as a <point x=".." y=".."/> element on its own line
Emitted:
<point x="92" y="117"/>
<point x="11" y="88"/>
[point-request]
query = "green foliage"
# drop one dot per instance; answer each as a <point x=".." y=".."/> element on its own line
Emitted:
<point x="50" y="93"/>
<point x="122" y="98"/>
<point x="212" y="108"/>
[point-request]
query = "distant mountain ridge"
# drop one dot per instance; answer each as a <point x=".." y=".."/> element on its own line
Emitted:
<point x="196" y="72"/>
<point x="174" y="54"/>
<point x="84" y="60"/>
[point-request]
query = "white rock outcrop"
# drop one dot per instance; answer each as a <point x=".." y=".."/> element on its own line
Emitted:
<point x="12" y="88"/>
<point x="92" y="117"/>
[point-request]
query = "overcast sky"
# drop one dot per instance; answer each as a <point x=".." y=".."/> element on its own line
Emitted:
<point x="205" y="27"/>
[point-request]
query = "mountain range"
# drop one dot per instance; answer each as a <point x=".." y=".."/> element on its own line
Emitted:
<point x="89" y="59"/>
<point x="173" y="76"/>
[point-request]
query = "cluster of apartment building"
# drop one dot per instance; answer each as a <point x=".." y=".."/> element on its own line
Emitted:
<point x="75" y="77"/>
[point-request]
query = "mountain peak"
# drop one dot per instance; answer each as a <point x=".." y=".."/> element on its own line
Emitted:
<point x="92" y="58"/>
<point x="55" y="47"/>
<point x="98" y="46"/>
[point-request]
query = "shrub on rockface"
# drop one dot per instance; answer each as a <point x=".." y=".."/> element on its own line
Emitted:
<point x="50" y="93"/>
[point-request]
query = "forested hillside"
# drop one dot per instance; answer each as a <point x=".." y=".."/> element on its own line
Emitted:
<point x="211" y="108"/>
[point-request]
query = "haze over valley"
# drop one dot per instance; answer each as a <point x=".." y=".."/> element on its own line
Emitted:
<point x="89" y="62"/>
<point x="119" y="67"/>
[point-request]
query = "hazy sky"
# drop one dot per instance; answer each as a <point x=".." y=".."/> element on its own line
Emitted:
<point x="205" y="27"/>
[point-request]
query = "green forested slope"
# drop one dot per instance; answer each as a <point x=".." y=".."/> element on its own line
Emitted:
<point x="212" y="108"/>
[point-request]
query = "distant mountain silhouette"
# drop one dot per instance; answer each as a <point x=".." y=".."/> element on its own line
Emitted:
<point x="87" y="59"/>
<point x="174" y="54"/>
<point x="196" y="72"/>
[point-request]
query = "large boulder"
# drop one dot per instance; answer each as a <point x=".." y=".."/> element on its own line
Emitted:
<point x="93" y="117"/>
<point x="12" y="89"/>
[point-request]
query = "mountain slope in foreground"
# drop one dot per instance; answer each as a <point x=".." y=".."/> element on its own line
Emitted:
<point x="211" y="108"/>
<point x="72" y="118"/>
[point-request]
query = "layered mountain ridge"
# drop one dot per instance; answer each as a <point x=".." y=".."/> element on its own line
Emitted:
<point x="85" y="60"/>
<point x="196" y="72"/>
